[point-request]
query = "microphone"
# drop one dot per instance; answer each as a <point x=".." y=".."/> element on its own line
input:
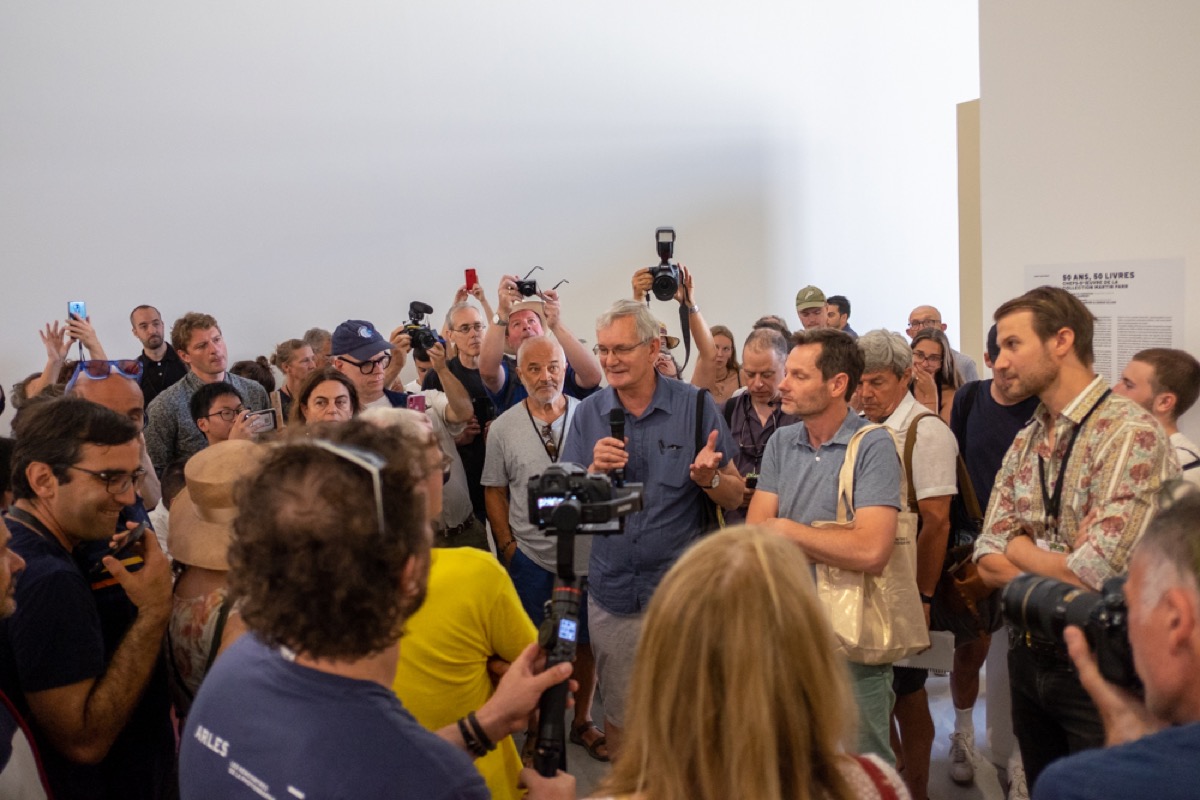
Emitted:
<point x="616" y="423"/>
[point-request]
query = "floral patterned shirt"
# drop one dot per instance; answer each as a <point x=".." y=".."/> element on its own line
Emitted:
<point x="1120" y="459"/>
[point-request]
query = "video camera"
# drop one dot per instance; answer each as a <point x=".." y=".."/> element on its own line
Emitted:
<point x="666" y="272"/>
<point x="1042" y="608"/>
<point x="561" y="499"/>
<point x="421" y="335"/>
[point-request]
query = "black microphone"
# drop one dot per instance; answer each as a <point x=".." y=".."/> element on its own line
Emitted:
<point x="616" y="422"/>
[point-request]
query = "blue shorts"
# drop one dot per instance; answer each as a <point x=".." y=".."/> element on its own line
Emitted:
<point x="535" y="585"/>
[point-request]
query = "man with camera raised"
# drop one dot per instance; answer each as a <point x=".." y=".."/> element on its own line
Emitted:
<point x="519" y="317"/>
<point x="1072" y="498"/>
<point x="1153" y="744"/>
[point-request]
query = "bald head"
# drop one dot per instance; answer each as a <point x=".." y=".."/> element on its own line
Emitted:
<point x="116" y="393"/>
<point x="924" y="317"/>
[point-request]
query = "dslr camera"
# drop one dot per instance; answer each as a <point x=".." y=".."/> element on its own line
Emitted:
<point x="1041" y="608"/>
<point x="666" y="273"/>
<point x="526" y="287"/>
<point x="565" y="496"/>
<point x="419" y="333"/>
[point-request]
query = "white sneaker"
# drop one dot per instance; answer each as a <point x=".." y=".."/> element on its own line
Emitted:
<point x="1017" y="789"/>
<point x="962" y="765"/>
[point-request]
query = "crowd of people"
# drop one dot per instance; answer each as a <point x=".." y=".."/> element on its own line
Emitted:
<point x="298" y="575"/>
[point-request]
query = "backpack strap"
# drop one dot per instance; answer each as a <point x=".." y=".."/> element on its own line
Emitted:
<point x="910" y="444"/>
<point x="700" y="395"/>
<point x="878" y="779"/>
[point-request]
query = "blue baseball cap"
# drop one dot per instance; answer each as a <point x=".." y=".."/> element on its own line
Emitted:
<point x="359" y="340"/>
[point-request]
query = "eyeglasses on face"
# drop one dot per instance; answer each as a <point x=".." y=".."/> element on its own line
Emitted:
<point x="367" y="367"/>
<point x="931" y="358"/>
<point x="227" y="414"/>
<point x="923" y="323"/>
<point x="620" y="350"/>
<point x="373" y="463"/>
<point x="476" y="327"/>
<point x="114" y="482"/>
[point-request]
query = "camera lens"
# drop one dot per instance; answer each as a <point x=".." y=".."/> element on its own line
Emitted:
<point x="1045" y="607"/>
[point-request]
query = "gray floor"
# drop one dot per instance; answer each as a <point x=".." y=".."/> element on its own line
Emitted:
<point x="588" y="772"/>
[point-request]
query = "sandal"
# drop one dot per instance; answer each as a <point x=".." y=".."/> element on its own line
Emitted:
<point x="579" y="737"/>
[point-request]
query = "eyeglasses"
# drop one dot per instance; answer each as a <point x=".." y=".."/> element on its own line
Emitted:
<point x="99" y="370"/>
<point x="923" y="323"/>
<point x="371" y="462"/>
<point x="477" y="327"/>
<point x="227" y="414"/>
<point x="931" y="359"/>
<point x="367" y="367"/>
<point x="114" y="482"/>
<point x="620" y="350"/>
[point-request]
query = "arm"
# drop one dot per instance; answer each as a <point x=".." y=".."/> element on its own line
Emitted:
<point x="495" y="500"/>
<point x="57" y="345"/>
<point x="704" y="373"/>
<point x="160" y="433"/>
<point x="728" y="493"/>
<point x="81" y="330"/>
<point x="931" y="541"/>
<point x="459" y="408"/>
<point x="583" y="361"/>
<point x="865" y="545"/>
<point x="491" y="351"/>
<point x="401" y="344"/>
<point x="1024" y="554"/>
<point x="996" y="570"/>
<point x="83" y="719"/>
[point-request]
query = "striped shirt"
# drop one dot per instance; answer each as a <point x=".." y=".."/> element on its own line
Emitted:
<point x="1120" y="460"/>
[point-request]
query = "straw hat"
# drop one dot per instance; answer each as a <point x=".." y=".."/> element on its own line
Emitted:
<point x="201" y="521"/>
<point x="672" y="341"/>
<point x="535" y="304"/>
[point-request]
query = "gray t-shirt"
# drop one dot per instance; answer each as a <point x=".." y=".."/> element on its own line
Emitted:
<point x="515" y="453"/>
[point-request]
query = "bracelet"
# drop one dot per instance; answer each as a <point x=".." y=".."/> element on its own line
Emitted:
<point x="693" y="309"/>
<point x="474" y="745"/>
<point x="927" y="599"/>
<point x="487" y="744"/>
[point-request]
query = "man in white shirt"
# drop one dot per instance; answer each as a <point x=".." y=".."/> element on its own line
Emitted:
<point x="1166" y="382"/>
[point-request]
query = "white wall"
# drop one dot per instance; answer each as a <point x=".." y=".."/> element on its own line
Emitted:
<point x="1089" y="115"/>
<point x="282" y="165"/>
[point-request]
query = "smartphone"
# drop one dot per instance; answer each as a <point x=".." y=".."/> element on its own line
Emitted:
<point x="417" y="402"/>
<point x="269" y="420"/>
<point x="472" y="279"/>
<point x="123" y="552"/>
<point x="485" y="412"/>
<point x="751" y="480"/>
<point x="76" y="308"/>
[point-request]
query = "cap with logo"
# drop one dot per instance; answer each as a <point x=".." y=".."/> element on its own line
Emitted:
<point x="358" y="339"/>
<point x="810" y="297"/>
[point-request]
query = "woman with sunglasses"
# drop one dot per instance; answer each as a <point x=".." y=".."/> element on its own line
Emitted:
<point x="935" y="378"/>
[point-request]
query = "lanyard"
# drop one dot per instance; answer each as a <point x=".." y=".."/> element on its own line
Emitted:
<point x="1052" y="503"/>
<point x="551" y="447"/>
<point x="756" y="447"/>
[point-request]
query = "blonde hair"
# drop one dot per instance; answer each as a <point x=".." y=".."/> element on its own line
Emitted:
<point x="736" y="690"/>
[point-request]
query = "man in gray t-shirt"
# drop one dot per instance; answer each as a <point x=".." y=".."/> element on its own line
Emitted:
<point x="522" y="443"/>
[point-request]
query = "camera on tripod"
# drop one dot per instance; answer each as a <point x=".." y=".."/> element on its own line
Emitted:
<point x="419" y="333"/>
<point x="665" y="274"/>
<point x="1042" y="608"/>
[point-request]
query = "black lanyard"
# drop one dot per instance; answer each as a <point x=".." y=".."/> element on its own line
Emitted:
<point x="546" y="445"/>
<point x="1053" y="503"/>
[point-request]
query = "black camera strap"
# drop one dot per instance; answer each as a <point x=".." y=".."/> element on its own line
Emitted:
<point x="1052" y="503"/>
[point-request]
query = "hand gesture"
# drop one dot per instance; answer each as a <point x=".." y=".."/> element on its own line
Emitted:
<point x="506" y="295"/>
<point x="461" y="295"/>
<point x="686" y="283"/>
<point x="81" y="330"/>
<point x="246" y="427"/>
<point x="437" y="356"/>
<point x="707" y="462"/>
<point x="57" y="342"/>
<point x="150" y="587"/>
<point x="609" y="454"/>
<point x="560" y="787"/>
<point x="552" y="308"/>
<point x="519" y="691"/>
<point x="642" y="283"/>
<point x="469" y="433"/>
<point x="1125" y="717"/>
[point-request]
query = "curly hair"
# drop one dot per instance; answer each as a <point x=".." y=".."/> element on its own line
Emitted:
<point x="315" y="379"/>
<point x="309" y="565"/>
<point x="189" y="323"/>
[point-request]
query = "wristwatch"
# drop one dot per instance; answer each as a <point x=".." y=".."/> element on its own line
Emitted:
<point x="497" y="321"/>
<point x="716" y="481"/>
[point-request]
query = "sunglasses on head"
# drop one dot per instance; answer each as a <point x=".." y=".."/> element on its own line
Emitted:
<point x="99" y="370"/>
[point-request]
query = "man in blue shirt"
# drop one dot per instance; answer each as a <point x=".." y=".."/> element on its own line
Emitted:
<point x="798" y="485"/>
<point x="1153" y="745"/>
<point x="660" y="451"/>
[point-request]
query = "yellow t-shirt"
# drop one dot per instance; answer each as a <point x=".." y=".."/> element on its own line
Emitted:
<point x="471" y="613"/>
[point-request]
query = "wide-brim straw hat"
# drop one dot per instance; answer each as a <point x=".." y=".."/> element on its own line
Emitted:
<point x="201" y="522"/>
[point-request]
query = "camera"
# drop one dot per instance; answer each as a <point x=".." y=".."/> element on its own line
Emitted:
<point x="565" y="496"/>
<point x="526" y="287"/>
<point x="1042" y="608"/>
<point x="421" y="335"/>
<point x="666" y="273"/>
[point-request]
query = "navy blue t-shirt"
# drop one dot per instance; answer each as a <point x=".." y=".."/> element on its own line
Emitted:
<point x="263" y="725"/>
<point x="988" y="432"/>
<point x="1162" y="766"/>
<point x="64" y="632"/>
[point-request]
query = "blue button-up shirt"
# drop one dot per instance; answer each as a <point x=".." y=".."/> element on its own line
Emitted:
<point x="625" y="568"/>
